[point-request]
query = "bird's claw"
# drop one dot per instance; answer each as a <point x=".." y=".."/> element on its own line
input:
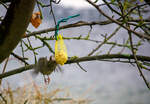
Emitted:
<point x="47" y="80"/>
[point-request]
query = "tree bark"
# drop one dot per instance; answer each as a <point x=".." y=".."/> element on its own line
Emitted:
<point x="147" y="1"/>
<point x="5" y="1"/>
<point x="14" y="25"/>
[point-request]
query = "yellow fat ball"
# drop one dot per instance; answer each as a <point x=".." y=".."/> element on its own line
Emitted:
<point x="61" y="56"/>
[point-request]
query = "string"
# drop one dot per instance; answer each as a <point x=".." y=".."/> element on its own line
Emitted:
<point x="63" y="20"/>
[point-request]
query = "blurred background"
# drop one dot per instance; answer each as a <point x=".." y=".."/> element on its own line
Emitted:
<point x="104" y="82"/>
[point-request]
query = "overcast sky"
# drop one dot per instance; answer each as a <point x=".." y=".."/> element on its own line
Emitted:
<point x="77" y="3"/>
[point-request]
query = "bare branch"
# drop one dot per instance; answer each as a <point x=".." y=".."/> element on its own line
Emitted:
<point x="136" y="60"/>
<point x="94" y="50"/>
<point x="19" y="58"/>
<point x="117" y="22"/>
<point x="81" y="59"/>
<point x="81" y="67"/>
<point x="77" y="24"/>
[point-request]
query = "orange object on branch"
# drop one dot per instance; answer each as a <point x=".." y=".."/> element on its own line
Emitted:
<point x="36" y="19"/>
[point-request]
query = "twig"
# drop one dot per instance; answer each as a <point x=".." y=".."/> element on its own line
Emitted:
<point x="117" y="22"/>
<point x="136" y="60"/>
<point x="130" y="11"/>
<point x="113" y="46"/>
<point x="35" y="59"/>
<point x="45" y="43"/>
<point x="4" y="68"/>
<point x="56" y="2"/>
<point x="111" y="8"/>
<point x="120" y="61"/>
<point x="124" y="47"/>
<point x="4" y="5"/>
<point x="5" y="65"/>
<point x="38" y="5"/>
<point x="81" y="67"/>
<point x="104" y="4"/>
<point x="22" y="48"/>
<point x="94" y="50"/>
<point x="3" y="98"/>
<point x="19" y="58"/>
<point x="51" y="12"/>
<point x="25" y="102"/>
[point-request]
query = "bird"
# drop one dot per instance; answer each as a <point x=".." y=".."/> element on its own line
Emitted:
<point x="45" y="67"/>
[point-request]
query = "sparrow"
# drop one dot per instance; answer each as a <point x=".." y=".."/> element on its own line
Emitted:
<point x="45" y="67"/>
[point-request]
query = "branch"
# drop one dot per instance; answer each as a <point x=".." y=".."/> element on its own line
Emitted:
<point x="16" y="71"/>
<point x="114" y="33"/>
<point x="19" y="58"/>
<point x="81" y="59"/>
<point x="14" y="25"/>
<point x="77" y="24"/>
<point x="136" y="60"/>
<point x="117" y="22"/>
